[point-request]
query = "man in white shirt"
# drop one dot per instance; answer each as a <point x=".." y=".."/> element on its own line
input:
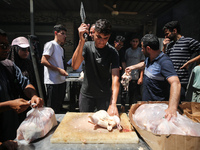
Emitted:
<point x="54" y="73"/>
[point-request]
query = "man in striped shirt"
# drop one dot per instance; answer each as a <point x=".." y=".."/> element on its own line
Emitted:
<point x="179" y="49"/>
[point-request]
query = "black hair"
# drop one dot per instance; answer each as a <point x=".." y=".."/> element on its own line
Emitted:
<point x="135" y="36"/>
<point x="103" y="26"/>
<point x="151" y="41"/>
<point x="59" y="27"/>
<point x="120" y="38"/>
<point x="92" y="25"/>
<point x="2" y="33"/>
<point x="172" y="25"/>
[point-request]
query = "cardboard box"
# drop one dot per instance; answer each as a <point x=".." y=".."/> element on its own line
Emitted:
<point x="166" y="142"/>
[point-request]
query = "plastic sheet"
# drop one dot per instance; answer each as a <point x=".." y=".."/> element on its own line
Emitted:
<point x="38" y="123"/>
<point x="150" y="117"/>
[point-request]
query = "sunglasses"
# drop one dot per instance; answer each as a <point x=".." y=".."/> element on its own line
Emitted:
<point x="25" y="49"/>
<point x="4" y="46"/>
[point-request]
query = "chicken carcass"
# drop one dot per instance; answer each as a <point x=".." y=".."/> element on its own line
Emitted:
<point x="125" y="80"/>
<point x="103" y="119"/>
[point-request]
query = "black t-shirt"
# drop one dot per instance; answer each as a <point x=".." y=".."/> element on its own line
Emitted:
<point x="97" y="73"/>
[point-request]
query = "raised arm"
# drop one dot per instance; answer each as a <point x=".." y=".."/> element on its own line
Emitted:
<point x="77" y="57"/>
<point x="140" y="65"/>
<point x="165" y="42"/>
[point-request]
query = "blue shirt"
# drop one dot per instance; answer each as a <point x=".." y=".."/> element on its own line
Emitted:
<point x="155" y="85"/>
<point x="80" y="69"/>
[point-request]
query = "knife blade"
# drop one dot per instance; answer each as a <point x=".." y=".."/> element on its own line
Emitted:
<point x="83" y="18"/>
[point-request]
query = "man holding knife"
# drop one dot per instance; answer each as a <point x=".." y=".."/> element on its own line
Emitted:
<point x="101" y="68"/>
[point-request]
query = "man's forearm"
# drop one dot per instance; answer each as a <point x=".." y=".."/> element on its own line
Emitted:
<point x="4" y="106"/>
<point x="46" y="63"/>
<point x="174" y="98"/>
<point x="115" y="92"/>
<point x="140" y="65"/>
<point x="115" y="86"/>
<point x="164" y="48"/>
<point x="30" y="91"/>
<point x="77" y="57"/>
<point x="197" y="58"/>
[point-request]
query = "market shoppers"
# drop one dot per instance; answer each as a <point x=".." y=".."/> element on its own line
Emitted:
<point x="54" y="73"/>
<point x="101" y="63"/>
<point x="12" y="83"/>
<point x="179" y="49"/>
<point x="19" y="53"/>
<point x="134" y="55"/>
<point x="118" y="44"/>
<point x="92" y="30"/>
<point x="161" y="82"/>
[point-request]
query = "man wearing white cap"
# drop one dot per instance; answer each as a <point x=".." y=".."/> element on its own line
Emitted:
<point x="54" y="73"/>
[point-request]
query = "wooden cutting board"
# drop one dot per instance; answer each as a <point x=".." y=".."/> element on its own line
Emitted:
<point x="75" y="128"/>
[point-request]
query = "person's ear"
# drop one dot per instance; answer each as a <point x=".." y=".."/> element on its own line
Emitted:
<point x="55" y="32"/>
<point x="175" y="30"/>
<point x="148" y="48"/>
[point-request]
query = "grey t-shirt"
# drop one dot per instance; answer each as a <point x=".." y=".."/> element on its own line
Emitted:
<point x="133" y="57"/>
<point x="97" y="73"/>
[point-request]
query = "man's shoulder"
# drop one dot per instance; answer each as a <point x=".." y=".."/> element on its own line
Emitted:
<point x="50" y="43"/>
<point x="7" y="63"/>
<point x="89" y="43"/>
<point x="112" y="48"/>
<point x="186" y="39"/>
<point x="128" y="49"/>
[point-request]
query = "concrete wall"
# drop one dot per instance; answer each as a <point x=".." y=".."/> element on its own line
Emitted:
<point x="187" y="13"/>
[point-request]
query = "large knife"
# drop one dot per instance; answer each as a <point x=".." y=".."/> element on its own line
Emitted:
<point x="83" y="17"/>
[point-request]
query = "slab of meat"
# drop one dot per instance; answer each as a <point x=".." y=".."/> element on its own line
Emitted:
<point x="150" y="117"/>
<point x="125" y="81"/>
<point x="37" y="124"/>
<point x="103" y="119"/>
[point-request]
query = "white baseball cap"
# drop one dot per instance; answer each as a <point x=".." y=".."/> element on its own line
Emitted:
<point x="21" y="42"/>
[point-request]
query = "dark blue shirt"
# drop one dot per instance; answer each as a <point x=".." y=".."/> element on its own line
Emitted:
<point x="155" y="84"/>
<point x="12" y="83"/>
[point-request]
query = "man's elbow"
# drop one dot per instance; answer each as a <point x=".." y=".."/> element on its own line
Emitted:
<point x="42" y="61"/>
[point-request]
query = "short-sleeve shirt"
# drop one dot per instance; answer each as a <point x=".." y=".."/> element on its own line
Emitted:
<point x="155" y="84"/>
<point x="11" y="79"/>
<point x="133" y="57"/>
<point x="98" y="66"/>
<point x="180" y="52"/>
<point x="80" y="69"/>
<point x="196" y="82"/>
<point x="56" y="53"/>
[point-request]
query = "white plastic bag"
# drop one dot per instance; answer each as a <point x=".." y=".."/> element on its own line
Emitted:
<point x="38" y="123"/>
<point x="151" y="117"/>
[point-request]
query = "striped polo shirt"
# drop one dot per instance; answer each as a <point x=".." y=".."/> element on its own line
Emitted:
<point x="180" y="52"/>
